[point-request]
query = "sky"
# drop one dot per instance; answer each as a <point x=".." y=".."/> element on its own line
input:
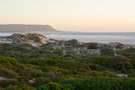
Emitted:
<point x="71" y="15"/>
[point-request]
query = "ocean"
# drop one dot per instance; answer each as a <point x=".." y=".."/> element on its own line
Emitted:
<point x="125" y="38"/>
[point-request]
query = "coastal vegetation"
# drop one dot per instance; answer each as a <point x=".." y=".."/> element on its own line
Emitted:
<point x="67" y="65"/>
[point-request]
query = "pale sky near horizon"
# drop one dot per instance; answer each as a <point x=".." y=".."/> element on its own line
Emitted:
<point x="71" y="15"/>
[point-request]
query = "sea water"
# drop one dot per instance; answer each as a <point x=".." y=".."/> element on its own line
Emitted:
<point x="125" y="38"/>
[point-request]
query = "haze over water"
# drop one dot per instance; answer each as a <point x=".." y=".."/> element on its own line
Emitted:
<point x="125" y="38"/>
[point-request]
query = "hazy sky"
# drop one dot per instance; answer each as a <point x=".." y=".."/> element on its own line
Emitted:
<point x="73" y="15"/>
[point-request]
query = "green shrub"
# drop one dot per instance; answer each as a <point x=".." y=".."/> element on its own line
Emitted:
<point x="122" y="62"/>
<point x="7" y="82"/>
<point x="55" y="86"/>
<point x="20" y="87"/>
<point x="22" y="79"/>
<point x="92" y="46"/>
<point x="42" y="81"/>
<point x="8" y="73"/>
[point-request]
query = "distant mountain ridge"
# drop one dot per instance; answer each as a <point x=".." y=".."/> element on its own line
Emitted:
<point x="26" y="28"/>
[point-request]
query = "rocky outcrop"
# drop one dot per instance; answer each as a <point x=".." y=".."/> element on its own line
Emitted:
<point x="33" y="39"/>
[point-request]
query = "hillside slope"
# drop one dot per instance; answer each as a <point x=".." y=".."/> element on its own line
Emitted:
<point x="26" y="28"/>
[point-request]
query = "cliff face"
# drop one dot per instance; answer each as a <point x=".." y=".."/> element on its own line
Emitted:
<point x="33" y="39"/>
<point x="26" y="28"/>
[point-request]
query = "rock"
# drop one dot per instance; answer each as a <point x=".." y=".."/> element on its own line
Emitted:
<point x="122" y="75"/>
